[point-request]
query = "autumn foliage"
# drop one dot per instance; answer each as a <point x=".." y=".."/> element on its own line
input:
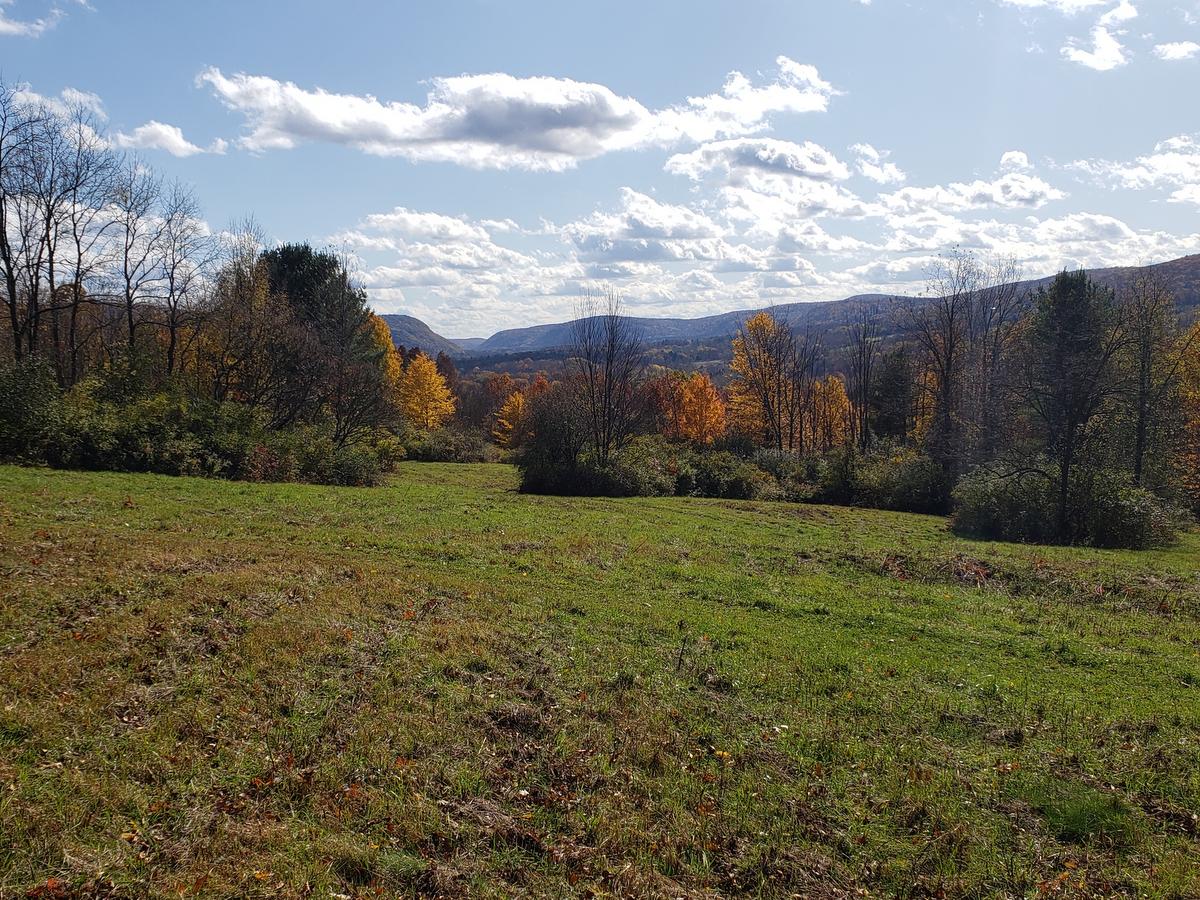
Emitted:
<point x="689" y="407"/>
<point x="425" y="399"/>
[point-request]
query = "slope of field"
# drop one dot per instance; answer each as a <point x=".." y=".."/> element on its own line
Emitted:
<point x="443" y="687"/>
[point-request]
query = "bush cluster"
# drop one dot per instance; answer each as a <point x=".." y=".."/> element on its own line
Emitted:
<point x="1024" y="506"/>
<point x="449" y="444"/>
<point x="99" y="425"/>
<point x="653" y="466"/>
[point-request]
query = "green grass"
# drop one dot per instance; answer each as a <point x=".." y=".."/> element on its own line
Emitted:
<point x="442" y="686"/>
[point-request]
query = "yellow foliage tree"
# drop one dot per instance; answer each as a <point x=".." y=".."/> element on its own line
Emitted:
<point x="701" y="411"/>
<point x="393" y="366"/>
<point x="425" y="400"/>
<point x="755" y="374"/>
<point x="510" y="428"/>
<point x="829" y="419"/>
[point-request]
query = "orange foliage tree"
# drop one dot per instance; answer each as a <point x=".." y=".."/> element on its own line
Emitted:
<point x="772" y="382"/>
<point x="701" y="411"/>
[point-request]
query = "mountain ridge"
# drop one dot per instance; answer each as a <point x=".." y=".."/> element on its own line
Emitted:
<point x="1182" y="275"/>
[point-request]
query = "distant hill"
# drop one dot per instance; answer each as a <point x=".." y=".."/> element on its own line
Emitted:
<point x="1181" y="275"/>
<point x="410" y="332"/>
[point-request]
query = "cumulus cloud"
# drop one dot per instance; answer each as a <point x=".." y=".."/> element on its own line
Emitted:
<point x="645" y="229"/>
<point x="1106" y="51"/>
<point x="766" y="155"/>
<point x="1173" y="164"/>
<point x="1015" y="160"/>
<point x="160" y="136"/>
<point x="766" y="182"/>
<point x="501" y="121"/>
<point x="1176" y="50"/>
<point x="65" y="102"/>
<point x="873" y="164"/>
<point x="30" y="28"/>
<point x="1011" y="190"/>
<point x="1122" y="12"/>
<point x="425" y="225"/>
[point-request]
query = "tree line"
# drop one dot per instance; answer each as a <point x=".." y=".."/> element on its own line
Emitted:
<point x="1068" y="414"/>
<point x="139" y="338"/>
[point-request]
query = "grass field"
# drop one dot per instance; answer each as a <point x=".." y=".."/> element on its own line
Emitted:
<point x="444" y="687"/>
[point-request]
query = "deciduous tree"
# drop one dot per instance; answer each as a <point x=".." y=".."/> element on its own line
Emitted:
<point x="425" y="400"/>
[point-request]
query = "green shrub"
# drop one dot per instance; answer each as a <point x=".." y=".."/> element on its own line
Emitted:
<point x="389" y="450"/>
<point x="649" y="467"/>
<point x="903" y="480"/>
<point x="352" y="466"/>
<point x="1016" y="507"/>
<point x="1105" y="509"/>
<point x="719" y="473"/>
<point x="30" y="410"/>
<point x="1114" y="512"/>
<point x="796" y="477"/>
<point x="451" y="444"/>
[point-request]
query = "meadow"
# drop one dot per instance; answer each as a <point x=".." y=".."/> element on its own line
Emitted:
<point x="444" y="687"/>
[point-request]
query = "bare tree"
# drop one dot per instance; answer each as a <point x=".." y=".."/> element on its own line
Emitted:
<point x="186" y="253"/>
<point x="1155" y="356"/>
<point x="608" y="358"/>
<point x="139" y="236"/>
<point x="996" y="308"/>
<point x="939" y="326"/>
<point x="87" y="223"/>
<point x="22" y="246"/>
<point x="865" y="331"/>
<point x="964" y="329"/>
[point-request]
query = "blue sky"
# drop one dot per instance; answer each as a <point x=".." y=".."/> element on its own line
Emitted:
<point x="486" y="162"/>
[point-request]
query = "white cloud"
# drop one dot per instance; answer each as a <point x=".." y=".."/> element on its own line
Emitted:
<point x="766" y="155"/>
<point x="1122" y="12"/>
<point x="645" y="229"/>
<point x="1011" y="190"/>
<point x="873" y="164"/>
<point x="424" y="225"/>
<point x="1173" y="164"/>
<point x="1187" y="194"/>
<point x="1068" y="7"/>
<point x="68" y="100"/>
<point x="1176" y="50"/>
<point x="1106" y="51"/>
<point x="160" y="136"/>
<point x="27" y="27"/>
<point x="501" y="121"/>
<point x="765" y="182"/>
<point x="1016" y="160"/>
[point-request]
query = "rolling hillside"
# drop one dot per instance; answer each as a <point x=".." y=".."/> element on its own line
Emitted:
<point x="1182" y="275"/>
<point x="410" y="332"/>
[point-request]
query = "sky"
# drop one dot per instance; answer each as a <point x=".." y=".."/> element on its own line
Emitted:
<point x="485" y="163"/>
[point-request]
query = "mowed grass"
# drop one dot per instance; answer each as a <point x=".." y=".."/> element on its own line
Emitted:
<point x="442" y="687"/>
